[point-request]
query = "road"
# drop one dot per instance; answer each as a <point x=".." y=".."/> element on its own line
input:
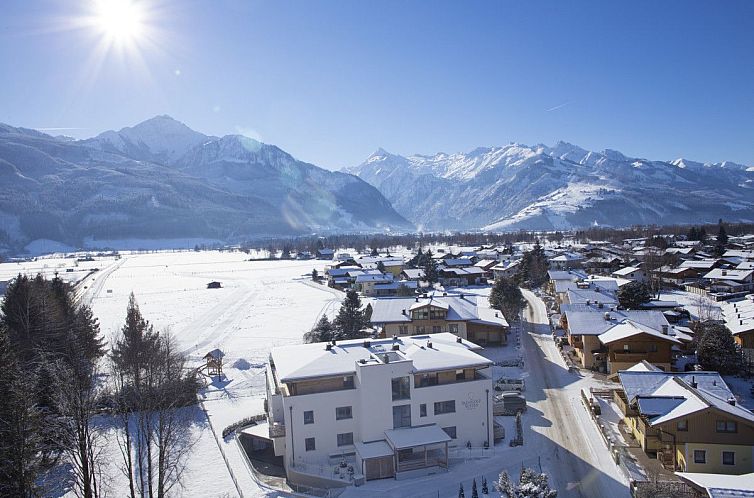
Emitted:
<point x="562" y="430"/>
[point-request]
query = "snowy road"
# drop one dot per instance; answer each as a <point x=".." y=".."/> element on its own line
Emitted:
<point x="571" y="448"/>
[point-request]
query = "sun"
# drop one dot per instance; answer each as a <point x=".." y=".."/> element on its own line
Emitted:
<point x="121" y="21"/>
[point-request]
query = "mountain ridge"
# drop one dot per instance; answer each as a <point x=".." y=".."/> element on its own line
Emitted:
<point x="159" y="180"/>
<point x="556" y="187"/>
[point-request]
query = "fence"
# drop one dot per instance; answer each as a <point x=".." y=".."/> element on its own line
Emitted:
<point x="663" y="489"/>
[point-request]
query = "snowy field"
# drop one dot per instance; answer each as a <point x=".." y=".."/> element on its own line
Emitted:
<point x="262" y="304"/>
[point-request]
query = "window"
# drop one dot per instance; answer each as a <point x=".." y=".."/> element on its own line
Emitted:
<point x="345" y="439"/>
<point x="653" y="348"/>
<point x="423" y="410"/>
<point x="682" y="425"/>
<point x="348" y="382"/>
<point x="401" y="388"/>
<point x="726" y="426"/>
<point x="403" y="330"/>
<point x="460" y="375"/>
<point x="401" y="416"/>
<point x="700" y="456"/>
<point x="626" y="348"/>
<point x="343" y="412"/>
<point x="309" y="442"/>
<point x="729" y="457"/>
<point x="450" y="431"/>
<point x="419" y="330"/>
<point x="309" y="417"/>
<point x="428" y="380"/>
<point x="436" y="329"/>
<point x="453" y="328"/>
<point x="445" y="407"/>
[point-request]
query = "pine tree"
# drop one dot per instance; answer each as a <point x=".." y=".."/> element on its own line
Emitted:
<point x="474" y="492"/>
<point x="381" y="266"/>
<point x="693" y="234"/>
<point x="315" y="274"/>
<point x="350" y="321"/>
<point x="485" y="489"/>
<point x="634" y="294"/>
<point x="430" y="268"/>
<point x="506" y="297"/>
<point x="722" y="235"/>
<point x="131" y="352"/>
<point x="460" y="491"/>
<point x="505" y="486"/>
<point x="535" y="485"/>
<point x="322" y="332"/>
<point x="716" y="349"/>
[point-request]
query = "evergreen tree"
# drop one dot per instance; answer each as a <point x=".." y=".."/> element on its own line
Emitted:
<point x="533" y="268"/>
<point x="693" y="234"/>
<point x="351" y="320"/>
<point x="322" y="332"/>
<point x="474" y="492"/>
<point x="722" y="235"/>
<point x="460" y="491"/>
<point x="506" y="297"/>
<point x="716" y="349"/>
<point x="131" y="352"/>
<point x="634" y="294"/>
<point x="374" y="252"/>
<point x="485" y="489"/>
<point x="535" y="485"/>
<point x="505" y="486"/>
<point x="702" y="235"/>
<point x="315" y="274"/>
<point x="430" y="268"/>
<point x="381" y="266"/>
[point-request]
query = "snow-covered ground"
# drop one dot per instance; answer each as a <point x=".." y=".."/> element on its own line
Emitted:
<point x="262" y="304"/>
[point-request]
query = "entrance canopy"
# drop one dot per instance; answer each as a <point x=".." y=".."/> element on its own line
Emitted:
<point x="411" y="437"/>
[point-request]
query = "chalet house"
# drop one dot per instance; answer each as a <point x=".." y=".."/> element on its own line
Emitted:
<point x="508" y="269"/>
<point x="385" y="408"/>
<point x="412" y="274"/>
<point x="701" y="266"/>
<point x="469" y="317"/>
<point x="629" y="342"/>
<point x="392" y="288"/>
<point x="325" y="253"/>
<point x="602" y="264"/>
<point x="365" y="283"/>
<point x="566" y="261"/>
<point x="559" y="279"/>
<point x="678" y="276"/>
<point x="584" y="328"/>
<point x="632" y="273"/>
<point x="392" y="264"/>
<point x="461" y="277"/>
<point x="690" y="421"/>
<point x="729" y="281"/>
<point x="486" y="265"/>
<point x="453" y="262"/>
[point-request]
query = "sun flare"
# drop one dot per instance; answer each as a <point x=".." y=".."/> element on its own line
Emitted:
<point x="121" y="21"/>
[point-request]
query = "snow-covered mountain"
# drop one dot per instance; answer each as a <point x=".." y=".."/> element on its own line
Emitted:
<point x="558" y="187"/>
<point x="162" y="180"/>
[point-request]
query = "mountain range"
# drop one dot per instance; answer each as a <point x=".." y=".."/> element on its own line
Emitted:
<point x="162" y="180"/>
<point x="559" y="187"/>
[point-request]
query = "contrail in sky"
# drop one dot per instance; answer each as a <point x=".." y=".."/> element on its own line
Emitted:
<point x="558" y="106"/>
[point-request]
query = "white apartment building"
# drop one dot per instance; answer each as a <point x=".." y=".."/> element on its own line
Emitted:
<point x="392" y="406"/>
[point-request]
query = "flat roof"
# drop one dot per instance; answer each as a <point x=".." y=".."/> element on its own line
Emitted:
<point x="374" y="449"/>
<point x="411" y="437"/>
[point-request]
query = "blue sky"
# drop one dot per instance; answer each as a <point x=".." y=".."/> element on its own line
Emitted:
<point x="330" y="82"/>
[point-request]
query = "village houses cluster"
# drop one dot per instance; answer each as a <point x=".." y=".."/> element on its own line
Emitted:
<point x="420" y="384"/>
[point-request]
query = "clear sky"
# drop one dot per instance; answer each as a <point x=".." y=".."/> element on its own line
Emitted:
<point x="330" y="82"/>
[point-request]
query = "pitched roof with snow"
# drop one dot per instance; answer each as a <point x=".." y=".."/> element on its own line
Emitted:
<point x="629" y="328"/>
<point x="665" y="396"/>
<point x="461" y="308"/>
<point x="593" y="323"/>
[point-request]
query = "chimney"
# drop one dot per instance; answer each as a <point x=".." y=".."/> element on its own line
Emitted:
<point x="600" y="305"/>
<point x="725" y="272"/>
<point x="462" y="295"/>
<point x="333" y="342"/>
<point x="396" y="347"/>
<point x="665" y="330"/>
<point x="496" y="315"/>
<point x="429" y="344"/>
<point x="367" y="344"/>
<point x="328" y="347"/>
<point x="403" y="312"/>
<point x="732" y="401"/>
<point x="395" y="338"/>
<point x="607" y="317"/>
<point x="445" y="294"/>
<point x="588" y="302"/>
<point x="693" y="382"/>
<point x="459" y="340"/>
<point x="417" y="299"/>
<point x="385" y="358"/>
